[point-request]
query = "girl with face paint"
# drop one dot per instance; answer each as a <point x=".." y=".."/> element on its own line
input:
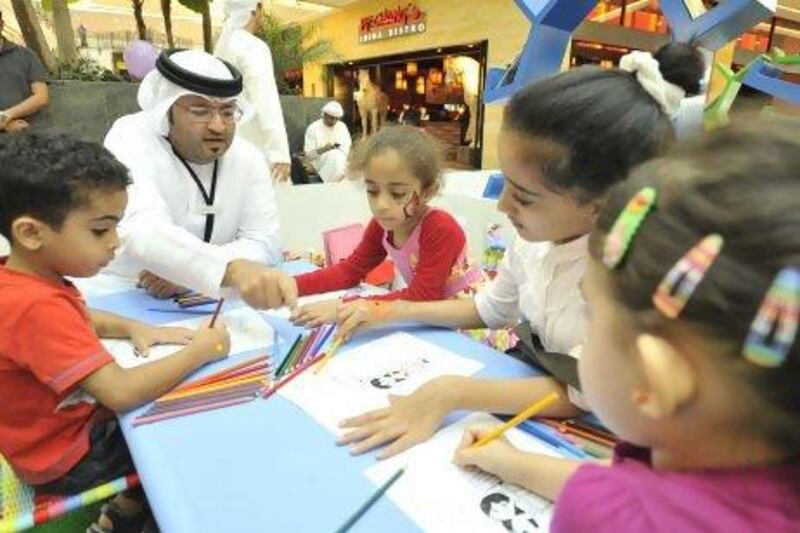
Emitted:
<point x="400" y="167"/>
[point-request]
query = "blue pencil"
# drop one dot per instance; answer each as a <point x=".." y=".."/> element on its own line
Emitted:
<point x="544" y="433"/>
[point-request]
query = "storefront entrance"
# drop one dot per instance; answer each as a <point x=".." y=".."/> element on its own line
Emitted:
<point x="439" y="90"/>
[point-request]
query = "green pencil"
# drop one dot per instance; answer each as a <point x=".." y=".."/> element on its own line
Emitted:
<point x="286" y="360"/>
<point x="370" y="502"/>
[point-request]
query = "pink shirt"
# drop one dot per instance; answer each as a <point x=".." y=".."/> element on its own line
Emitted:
<point x="631" y="496"/>
<point x="406" y="258"/>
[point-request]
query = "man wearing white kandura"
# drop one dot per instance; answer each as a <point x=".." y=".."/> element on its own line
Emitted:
<point x="253" y="58"/>
<point x="200" y="213"/>
<point x="328" y="143"/>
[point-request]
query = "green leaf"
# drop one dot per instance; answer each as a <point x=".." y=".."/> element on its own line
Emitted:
<point x="47" y="5"/>
<point x="291" y="46"/>
<point x="194" y="5"/>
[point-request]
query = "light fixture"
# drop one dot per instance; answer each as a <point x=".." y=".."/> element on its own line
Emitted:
<point x="421" y="85"/>
<point x="411" y="68"/>
<point x="405" y="84"/>
<point x="398" y="76"/>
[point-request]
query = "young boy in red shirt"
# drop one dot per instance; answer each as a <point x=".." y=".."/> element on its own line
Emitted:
<point x="60" y="202"/>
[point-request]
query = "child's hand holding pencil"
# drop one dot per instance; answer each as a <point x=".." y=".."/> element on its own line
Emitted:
<point x="496" y="457"/>
<point x="210" y="342"/>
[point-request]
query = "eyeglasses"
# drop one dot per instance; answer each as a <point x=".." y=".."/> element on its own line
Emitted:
<point x="204" y="115"/>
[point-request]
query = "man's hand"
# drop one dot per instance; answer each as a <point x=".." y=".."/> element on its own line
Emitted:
<point x="260" y="286"/>
<point x="16" y="125"/>
<point x="281" y="171"/>
<point x="158" y="287"/>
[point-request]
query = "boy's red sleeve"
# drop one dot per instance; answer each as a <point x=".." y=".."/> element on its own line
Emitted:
<point x="69" y="350"/>
<point x="348" y="273"/>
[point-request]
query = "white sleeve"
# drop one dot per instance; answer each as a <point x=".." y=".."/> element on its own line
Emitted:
<point x="498" y="303"/>
<point x="576" y="396"/>
<point x="149" y="238"/>
<point x="151" y="241"/>
<point x="311" y="143"/>
<point x="343" y="138"/>
<point x="262" y="91"/>
<point x="258" y="235"/>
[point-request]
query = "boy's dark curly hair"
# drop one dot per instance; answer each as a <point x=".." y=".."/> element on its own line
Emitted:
<point x="47" y="176"/>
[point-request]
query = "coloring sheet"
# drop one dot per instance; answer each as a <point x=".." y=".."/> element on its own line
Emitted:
<point x="248" y="332"/>
<point x="442" y="497"/>
<point x="359" y="380"/>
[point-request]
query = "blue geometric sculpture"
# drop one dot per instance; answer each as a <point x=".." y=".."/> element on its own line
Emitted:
<point x="554" y="21"/>
<point x="719" y="25"/>
<point x="552" y="25"/>
<point x="762" y="76"/>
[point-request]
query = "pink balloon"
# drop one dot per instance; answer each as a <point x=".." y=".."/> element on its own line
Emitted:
<point x="140" y="58"/>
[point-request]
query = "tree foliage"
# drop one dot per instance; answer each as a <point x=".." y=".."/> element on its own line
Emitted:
<point x="292" y="45"/>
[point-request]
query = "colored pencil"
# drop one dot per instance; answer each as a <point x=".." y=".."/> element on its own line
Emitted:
<point x="592" y="448"/>
<point x="282" y="367"/>
<point x="370" y="501"/>
<point x="555" y="439"/>
<point x="228" y="387"/>
<point x="293" y="362"/>
<point x="223" y="372"/>
<point x="305" y="348"/>
<point x="299" y="370"/>
<point x="142" y="420"/>
<point x="521" y="417"/>
<point x="335" y="345"/>
<point x="180" y="311"/>
<point x="212" y="387"/>
<point x="561" y="427"/>
<point x="321" y="339"/>
<point x="216" y="313"/>
<point x="581" y="425"/>
<point x="238" y="392"/>
<point x="195" y="301"/>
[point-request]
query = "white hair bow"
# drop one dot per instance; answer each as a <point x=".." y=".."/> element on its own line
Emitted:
<point x="648" y="74"/>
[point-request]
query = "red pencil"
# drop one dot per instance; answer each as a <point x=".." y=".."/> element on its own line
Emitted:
<point x="216" y="312"/>
<point x="302" y="368"/>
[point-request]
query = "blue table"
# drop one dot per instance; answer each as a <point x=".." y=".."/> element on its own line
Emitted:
<point x="264" y="465"/>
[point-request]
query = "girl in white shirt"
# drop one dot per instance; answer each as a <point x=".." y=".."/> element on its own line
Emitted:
<point x="564" y="142"/>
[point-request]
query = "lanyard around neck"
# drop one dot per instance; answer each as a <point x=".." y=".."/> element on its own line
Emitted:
<point x="208" y="196"/>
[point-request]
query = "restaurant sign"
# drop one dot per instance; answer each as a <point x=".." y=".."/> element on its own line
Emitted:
<point x="392" y="22"/>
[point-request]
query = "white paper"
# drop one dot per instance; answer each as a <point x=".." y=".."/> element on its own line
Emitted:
<point x="247" y="329"/>
<point x="442" y="497"/>
<point x="360" y="379"/>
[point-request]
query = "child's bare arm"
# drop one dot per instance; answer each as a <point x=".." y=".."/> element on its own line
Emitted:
<point x="109" y="325"/>
<point x="363" y="314"/>
<point x="122" y="389"/>
<point x="414" y="418"/>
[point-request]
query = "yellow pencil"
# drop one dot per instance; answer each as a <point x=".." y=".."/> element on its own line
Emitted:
<point x="327" y="357"/>
<point x="523" y="416"/>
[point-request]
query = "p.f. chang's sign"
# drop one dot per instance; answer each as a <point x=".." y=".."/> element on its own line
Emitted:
<point x="392" y="22"/>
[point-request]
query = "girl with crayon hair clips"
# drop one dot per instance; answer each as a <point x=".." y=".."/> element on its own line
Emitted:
<point x="564" y="142"/>
<point x="693" y="356"/>
<point x="427" y="245"/>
